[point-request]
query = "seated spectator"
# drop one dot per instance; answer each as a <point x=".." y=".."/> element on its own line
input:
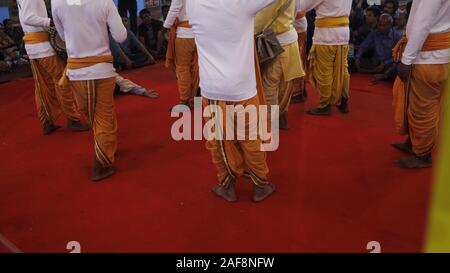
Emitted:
<point x="9" y="51"/>
<point x="149" y="31"/>
<point x="400" y="22"/>
<point x="13" y="31"/>
<point x="131" y="53"/>
<point x="371" y="18"/>
<point x="390" y="7"/>
<point x="375" y="53"/>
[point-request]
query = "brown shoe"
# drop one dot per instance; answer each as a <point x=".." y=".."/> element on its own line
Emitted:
<point x="262" y="192"/>
<point x="50" y="128"/>
<point x="228" y="194"/>
<point x="99" y="172"/>
<point x="76" y="125"/>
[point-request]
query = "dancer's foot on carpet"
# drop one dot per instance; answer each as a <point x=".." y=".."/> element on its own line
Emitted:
<point x="227" y="193"/>
<point x="262" y="192"/>
<point x="99" y="172"/>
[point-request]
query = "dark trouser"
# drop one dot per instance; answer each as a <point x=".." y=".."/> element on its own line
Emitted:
<point x="130" y="6"/>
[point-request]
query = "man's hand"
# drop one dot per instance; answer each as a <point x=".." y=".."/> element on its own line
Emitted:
<point x="404" y="71"/>
<point x="379" y="69"/>
<point x="150" y="59"/>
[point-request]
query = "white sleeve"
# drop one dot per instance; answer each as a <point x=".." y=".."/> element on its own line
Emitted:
<point x="116" y="27"/>
<point x="174" y="12"/>
<point x="424" y="13"/>
<point x="58" y="24"/>
<point x="307" y="5"/>
<point x="254" y="6"/>
<point x="29" y="17"/>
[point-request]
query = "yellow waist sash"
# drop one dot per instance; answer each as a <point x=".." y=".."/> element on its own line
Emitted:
<point x="31" y="38"/>
<point x="333" y="22"/>
<point x="433" y="42"/>
<point x="78" y="63"/>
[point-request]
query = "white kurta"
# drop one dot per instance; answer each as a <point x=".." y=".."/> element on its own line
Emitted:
<point x="301" y="25"/>
<point x="224" y="34"/>
<point x="84" y="24"/>
<point x="427" y="17"/>
<point x="34" y="18"/>
<point x="178" y="10"/>
<point x="328" y="8"/>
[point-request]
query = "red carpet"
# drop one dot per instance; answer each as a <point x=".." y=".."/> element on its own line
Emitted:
<point x="337" y="185"/>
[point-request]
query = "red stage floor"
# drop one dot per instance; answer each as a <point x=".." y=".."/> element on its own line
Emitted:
<point x="337" y="186"/>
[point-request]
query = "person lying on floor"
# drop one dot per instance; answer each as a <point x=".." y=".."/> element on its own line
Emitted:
<point x="375" y="53"/>
<point x="131" y="53"/>
<point x="125" y="86"/>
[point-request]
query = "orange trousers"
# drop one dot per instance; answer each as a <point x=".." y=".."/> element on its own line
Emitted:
<point x="234" y="158"/>
<point x="426" y="89"/>
<point x="96" y="100"/>
<point x="50" y="99"/>
<point x="186" y="67"/>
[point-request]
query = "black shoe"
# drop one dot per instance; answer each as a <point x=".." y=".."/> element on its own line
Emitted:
<point x="300" y="98"/>
<point x="416" y="162"/>
<point x="404" y="147"/>
<point x="260" y="193"/>
<point x="326" y="111"/>
<point x="50" y="128"/>
<point x="76" y="125"/>
<point x="99" y="172"/>
<point x="343" y="107"/>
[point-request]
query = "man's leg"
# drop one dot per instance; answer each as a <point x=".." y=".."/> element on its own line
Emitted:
<point x="47" y="103"/>
<point x="55" y="67"/>
<point x="322" y="75"/>
<point x="299" y="86"/>
<point x="343" y="95"/>
<point x="183" y="61"/>
<point x="272" y="76"/>
<point x="427" y="85"/>
<point x="284" y="98"/>
<point x="254" y="159"/>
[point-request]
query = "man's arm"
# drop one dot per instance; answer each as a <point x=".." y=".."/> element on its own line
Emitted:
<point x="141" y="48"/>
<point x="58" y="24"/>
<point x="420" y="23"/>
<point x="116" y="27"/>
<point x="366" y="44"/>
<point x="29" y="17"/>
<point x="174" y="11"/>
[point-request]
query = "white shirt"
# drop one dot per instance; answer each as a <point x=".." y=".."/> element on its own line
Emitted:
<point x="329" y="8"/>
<point x="426" y="17"/>
<point x="178" y="10"/>
<point x="84" y="24"/>
<point x="34" y="18"/>
<point x="224" y="34"/>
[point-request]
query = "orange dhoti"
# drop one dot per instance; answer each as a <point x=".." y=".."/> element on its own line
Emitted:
<point x="422" y="107"/>
<point x="182" y="54"/>
<point x="51" y="99"/>
<point x="300" y="83"/>
<point x="186" y="68"/>
<point x="234" y="158"/>
<point x="96" y="100"/>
